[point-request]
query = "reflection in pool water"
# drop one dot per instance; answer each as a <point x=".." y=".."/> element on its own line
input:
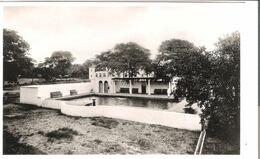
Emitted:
<point x="132" y="102"/>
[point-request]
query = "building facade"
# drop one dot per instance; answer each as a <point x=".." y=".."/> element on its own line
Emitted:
<point x="104" y="82"/>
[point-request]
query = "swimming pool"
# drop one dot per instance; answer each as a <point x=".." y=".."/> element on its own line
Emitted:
<point x="131" y="102"/>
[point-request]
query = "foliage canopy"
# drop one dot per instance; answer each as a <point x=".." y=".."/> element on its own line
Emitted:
<point x="15" y="52"/>
<point x="126" y="58"/>
<point x="210" y="79"/>
<point x="58" y="64"/>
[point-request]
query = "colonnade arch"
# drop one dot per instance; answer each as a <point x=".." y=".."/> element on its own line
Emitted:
<point x="103" y="87"/>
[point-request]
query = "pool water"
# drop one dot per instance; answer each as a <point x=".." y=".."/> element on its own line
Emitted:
<point x="132" y="102"/>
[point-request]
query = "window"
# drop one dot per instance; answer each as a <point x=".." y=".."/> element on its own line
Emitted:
<point x="96" y="75"/>
<point x="104" y="74"/>
<point x="100" y="75"/>
<point x="124" y="90"/>
<point x="135" y="90"/>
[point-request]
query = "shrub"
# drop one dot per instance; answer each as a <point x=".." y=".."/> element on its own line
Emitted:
<point x="144" y="144"/>
<point x="104" y="122"/>
<point x="62" y="133"/>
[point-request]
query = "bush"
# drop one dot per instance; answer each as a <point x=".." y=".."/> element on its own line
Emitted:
<point x="104" y="122"/>
<point x="61" y="133"/>
<point x="144" y="144"/>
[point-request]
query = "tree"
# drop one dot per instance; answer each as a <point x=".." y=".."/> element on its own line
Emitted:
<point x="15" y="51"/>
<point x="59" y="62"/>
<point x="131" y="58"/>
<point x="85" y="67"/>
<point x="80" y="71"/>
<point x="224" y="109"/>
<point x="104" y="61"/>
<point x="182" y="59"/>
<point x="210" y="79"/>
<point x="159" y="66"/>
<point x="75" y="71"/>
<point x="174" y="55"/>
<point x="45" y="72"/>
<point x="126" y="58"/>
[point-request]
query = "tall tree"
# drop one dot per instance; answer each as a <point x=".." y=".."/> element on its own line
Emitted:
<point x="15" y="51"/>
<point x="210" y="79"/>
<point x="104" y="61"/>
<point x="224" y="109"/>
<point x="182" y="59"/>
<point x="75" y="71"/>
<point x="131" y="58"/>
<point x="81" y="71"/>
<point x="60" y="62"/>
<point x="174" y="52"/>
<point x="159" y="66"/>
<point x="126" y="58"/>
<point x="45" y="72"/>
<point x="85" y="67"/>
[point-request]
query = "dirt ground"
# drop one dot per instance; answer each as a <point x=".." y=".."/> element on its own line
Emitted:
<point x="34" y="130"/>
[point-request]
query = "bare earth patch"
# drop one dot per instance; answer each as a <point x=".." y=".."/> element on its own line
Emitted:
<point x="48" y="131"/>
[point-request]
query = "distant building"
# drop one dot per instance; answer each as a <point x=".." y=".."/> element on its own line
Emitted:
<point x="105" y="82"/>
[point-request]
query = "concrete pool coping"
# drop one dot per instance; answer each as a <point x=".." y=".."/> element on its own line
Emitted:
<point x="144" y="96"/>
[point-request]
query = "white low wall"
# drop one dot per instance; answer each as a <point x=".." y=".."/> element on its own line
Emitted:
<point x="35" y="94"/>
<point x="171" y="119"/>
<point x="52" y="103"/>
<point x="44" y="90"/>
<point x="29" y="95"/>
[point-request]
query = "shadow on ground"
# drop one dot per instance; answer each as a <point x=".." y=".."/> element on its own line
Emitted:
<point x="11" y="145"/>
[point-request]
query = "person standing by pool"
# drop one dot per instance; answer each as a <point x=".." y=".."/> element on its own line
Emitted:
<point x="94" y="102"/>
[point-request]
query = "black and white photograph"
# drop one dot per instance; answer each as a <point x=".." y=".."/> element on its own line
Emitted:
<point x="124" y="78"/>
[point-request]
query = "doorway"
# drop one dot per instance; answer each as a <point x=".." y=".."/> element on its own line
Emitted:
<point x="143" y="89"/>
<point x="100" y="87"/>
<point x="106" y="87"/>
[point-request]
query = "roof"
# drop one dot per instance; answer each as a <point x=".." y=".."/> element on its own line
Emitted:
<point x="146" y="78"/>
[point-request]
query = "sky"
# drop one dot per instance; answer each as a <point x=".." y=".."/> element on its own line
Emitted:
<point x="88" y="30"/>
